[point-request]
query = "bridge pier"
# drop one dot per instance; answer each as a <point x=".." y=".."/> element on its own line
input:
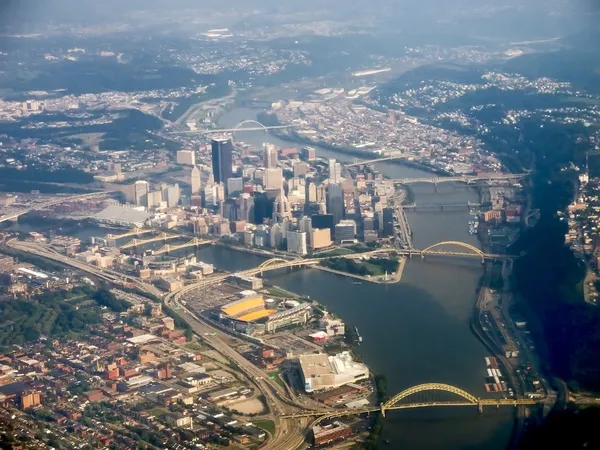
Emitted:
<point x="382" y="407"/>
<point x="480" y="407"/>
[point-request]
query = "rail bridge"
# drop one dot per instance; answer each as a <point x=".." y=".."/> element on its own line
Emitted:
<point x="421" y="396"/>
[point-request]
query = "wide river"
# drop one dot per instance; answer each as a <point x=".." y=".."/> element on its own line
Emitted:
<point x="414" y="332"/>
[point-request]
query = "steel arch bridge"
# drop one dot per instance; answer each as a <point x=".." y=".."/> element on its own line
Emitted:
<point x="273" y="262"/>
<point x="395" y="400"/>
<point x="447" y="248"/>
<point x="406" y="400"/>
<point x="239" y="126"/>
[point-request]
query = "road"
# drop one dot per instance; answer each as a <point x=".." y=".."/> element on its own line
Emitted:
<point x="55" y="201"/>
<point x="104" y="274"/>
<point x="289" y="434"/>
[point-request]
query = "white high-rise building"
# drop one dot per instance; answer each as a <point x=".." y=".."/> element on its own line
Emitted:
<point x="154" y="199"/>
<point x="186" y="157"/>
<point x="173" y="195"/>
<point x="196" y="180"/>
<point x="140" y="193"/>
<point x="296" y="242"/>
<point x="335" y="172"/>
<point x="270" y="156"/>
<point x="273" y="179"/>
<point x="305" y="225"/>
<point x="281" y="208"/>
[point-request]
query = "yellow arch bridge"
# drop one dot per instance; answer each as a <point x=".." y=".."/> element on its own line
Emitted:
<point x="422" y="396"/>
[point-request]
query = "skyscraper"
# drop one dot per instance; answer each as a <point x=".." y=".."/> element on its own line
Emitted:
<point x="222" y="159"/>
<point x="281" y="208"/>
<point x="246" y="208"/>
<point x="335" y="202"/>
<point x="196" y="180"/>
<point x="273" y="179"/>
<point x="140" y="193"/>
<point x="270" y="156"/>
<point x="335" y="171"/>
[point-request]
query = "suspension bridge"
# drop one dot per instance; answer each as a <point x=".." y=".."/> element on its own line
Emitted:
<point x="427" y="395"/>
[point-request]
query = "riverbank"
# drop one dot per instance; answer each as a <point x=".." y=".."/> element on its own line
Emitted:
<point x="295" y="137"/>
<point x="395" y="277"/>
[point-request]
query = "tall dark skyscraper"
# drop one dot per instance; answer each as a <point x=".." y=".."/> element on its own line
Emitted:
<point x="222" y="159"/>
<point x="335" y="202"/>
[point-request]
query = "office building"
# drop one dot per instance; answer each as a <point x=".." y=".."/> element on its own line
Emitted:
<point x="210" y="196"/>
<point x="321" y="371"/>
<point x="386" y="222"/>
<point x="335" y="172"/>
<point x="246" y="208"/>
<point x="273" y="179"/>
<point x="323" y="221"/>
<point x="310" y="195"/>
<point x="173" y="195"/>
<point x="235" y="186"/>
<point x="345" y="231"/>
<point x="276" y="236"/>
<point x="186" y="157"/>
<point x="305" y="225"/>
<point x="154" y="199"/>
<point x="196" y="180"/>
<point x="140" y="193"/>
<point x="281" y="208"/>
<point x="222" y="159"/>
<point x="335" y="202"/>
<point x="270" y="156"/>
<point x="309" y="154"/>
<point x="321" y="238"/>
<point x="296" y="242"/>
<point x="300" y="169"/>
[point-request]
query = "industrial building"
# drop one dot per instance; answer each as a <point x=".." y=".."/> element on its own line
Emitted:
<point x="326" y="372"/>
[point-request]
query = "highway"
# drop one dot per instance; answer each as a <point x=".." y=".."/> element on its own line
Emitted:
<point x="104" y="274"/>
<point x="289" y="433"/>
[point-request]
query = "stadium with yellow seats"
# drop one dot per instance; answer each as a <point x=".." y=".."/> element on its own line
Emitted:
<point x="243" y="307"/>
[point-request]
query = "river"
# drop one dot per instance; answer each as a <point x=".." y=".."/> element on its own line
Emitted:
<point x="414" y="332"/>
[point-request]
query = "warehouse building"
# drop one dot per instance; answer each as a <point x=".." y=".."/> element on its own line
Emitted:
<point x="324" y="435"/>
<point x="326" y="372"/>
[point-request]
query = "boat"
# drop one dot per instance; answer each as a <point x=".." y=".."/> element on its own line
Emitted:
<point x="358" y="335"/>
<point x="357" y="282"/>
